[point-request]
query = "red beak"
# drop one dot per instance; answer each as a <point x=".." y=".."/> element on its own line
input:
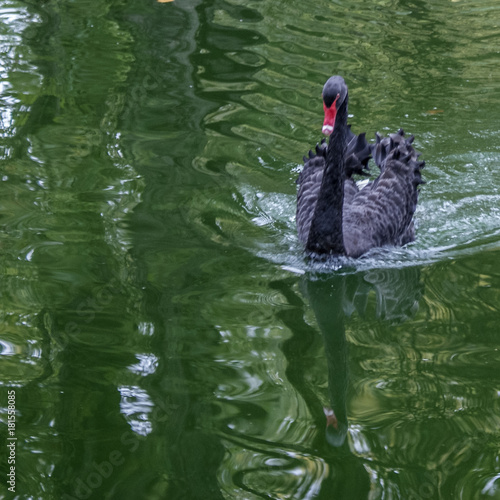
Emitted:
<point x="330" y="114"/>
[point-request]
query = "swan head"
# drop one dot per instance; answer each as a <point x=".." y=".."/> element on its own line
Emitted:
<point x="334" y="95"/>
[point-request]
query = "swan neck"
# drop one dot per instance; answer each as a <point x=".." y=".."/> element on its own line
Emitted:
<point x="326" y="235"/>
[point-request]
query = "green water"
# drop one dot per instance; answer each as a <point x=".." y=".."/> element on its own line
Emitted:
<point x="162" y="334"/>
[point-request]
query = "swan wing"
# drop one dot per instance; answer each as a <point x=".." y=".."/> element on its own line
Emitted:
<point x="381" y="213"/>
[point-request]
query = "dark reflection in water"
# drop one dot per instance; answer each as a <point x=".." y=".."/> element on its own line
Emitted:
<point x="333" y="299"/>
<point x="397" y="295"/>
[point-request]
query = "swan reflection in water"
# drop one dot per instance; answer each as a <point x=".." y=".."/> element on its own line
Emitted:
<point x="333" y="299"/>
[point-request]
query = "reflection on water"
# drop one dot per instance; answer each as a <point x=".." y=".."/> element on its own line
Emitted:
<point x="318" y="371"/>
<point x="394" y="384"/>
<point x="163" y="331"/>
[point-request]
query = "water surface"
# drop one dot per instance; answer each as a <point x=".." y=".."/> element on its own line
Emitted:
<point x="161" y="328"/>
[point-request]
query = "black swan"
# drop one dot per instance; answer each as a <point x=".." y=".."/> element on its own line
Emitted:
<point x="333" y="215"/>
